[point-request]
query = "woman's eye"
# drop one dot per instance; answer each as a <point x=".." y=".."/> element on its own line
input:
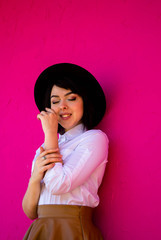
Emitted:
<point x="54" y="102"/>
<point x="72" y="99"/>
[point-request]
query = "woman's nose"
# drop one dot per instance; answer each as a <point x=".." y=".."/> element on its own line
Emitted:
<point x="63" y="105"/>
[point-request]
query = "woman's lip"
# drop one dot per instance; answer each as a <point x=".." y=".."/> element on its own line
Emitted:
<point x="65" y="116"/>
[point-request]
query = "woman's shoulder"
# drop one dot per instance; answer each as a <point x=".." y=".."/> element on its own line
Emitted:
<point x="95" y="135"/>
<point x="93" y="132"/>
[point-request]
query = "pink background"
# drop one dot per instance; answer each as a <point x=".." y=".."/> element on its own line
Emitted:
<point x="119" y="41"/>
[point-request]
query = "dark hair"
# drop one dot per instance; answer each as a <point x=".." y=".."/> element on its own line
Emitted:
<point x="78" y="88"/>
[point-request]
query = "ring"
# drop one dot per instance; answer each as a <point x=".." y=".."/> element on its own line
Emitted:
<point x="44" y="157"/>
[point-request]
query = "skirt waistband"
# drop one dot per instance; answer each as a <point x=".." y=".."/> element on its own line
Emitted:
<point x="64" y="211"/>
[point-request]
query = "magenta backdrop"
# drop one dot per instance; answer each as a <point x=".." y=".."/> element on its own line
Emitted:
<point x="119" y="41"/>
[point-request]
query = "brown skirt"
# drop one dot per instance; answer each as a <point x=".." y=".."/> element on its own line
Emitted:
<point x="63" y="222"/>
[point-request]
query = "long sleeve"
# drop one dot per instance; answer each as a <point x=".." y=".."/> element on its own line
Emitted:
<point x="86" y="161"/>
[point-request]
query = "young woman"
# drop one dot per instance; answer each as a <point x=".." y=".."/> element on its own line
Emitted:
<point x="67" y="169"/>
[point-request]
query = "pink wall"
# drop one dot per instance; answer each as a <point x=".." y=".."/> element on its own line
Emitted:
<point x="119" y="41"/>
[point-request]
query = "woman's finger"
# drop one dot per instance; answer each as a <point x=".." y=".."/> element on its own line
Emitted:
<point x="47" y="167"/>
<point x="38" y="116"/>
<point x="50" y="161"/>
<point x="49" y="110"/>
<point x="41" y="114"/>
<point x="46" y="152"/>
<point x="41" y="149"/>
<point x="52" y="155"/>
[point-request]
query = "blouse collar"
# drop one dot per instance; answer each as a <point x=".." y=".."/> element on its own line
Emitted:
<point x="72" y="133"/>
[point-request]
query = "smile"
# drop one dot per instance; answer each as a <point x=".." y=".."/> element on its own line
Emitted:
<point x="65" y="116"/>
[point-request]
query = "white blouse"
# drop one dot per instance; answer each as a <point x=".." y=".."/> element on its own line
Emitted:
<point x="76" y="182"/>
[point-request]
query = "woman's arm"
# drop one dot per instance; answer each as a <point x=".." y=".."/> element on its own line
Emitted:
<point x="90" y="154"/>
<point x="31" y="198"/>
<point x="50" y="127"/>
<point x="51" y="152"/>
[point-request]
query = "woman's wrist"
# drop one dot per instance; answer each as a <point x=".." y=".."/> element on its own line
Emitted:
<point x="34" y="181"/>
<point x="51" y="132"/>
<point x="51" y="140"/>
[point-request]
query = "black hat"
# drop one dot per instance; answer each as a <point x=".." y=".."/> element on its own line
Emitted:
<point x="81" y="77"/>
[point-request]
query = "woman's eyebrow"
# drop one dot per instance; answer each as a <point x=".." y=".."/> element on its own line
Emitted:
<point x="64" y="95"/>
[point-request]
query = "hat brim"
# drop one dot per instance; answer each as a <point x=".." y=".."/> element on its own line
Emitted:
<point x="83" y="78"/>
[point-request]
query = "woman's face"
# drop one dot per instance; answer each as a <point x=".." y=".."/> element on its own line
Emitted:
<point x="68" y="106"/>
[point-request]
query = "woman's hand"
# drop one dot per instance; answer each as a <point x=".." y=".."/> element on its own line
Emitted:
<point x="31" y="198"/>
<point x="45" y="161"/>
<point x="49" y="120"/>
